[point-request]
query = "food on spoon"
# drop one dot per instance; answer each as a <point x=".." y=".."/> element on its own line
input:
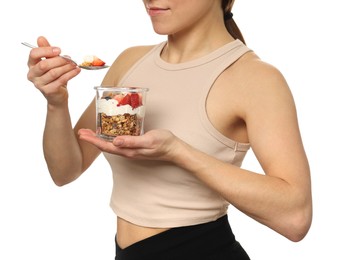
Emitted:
<point x="92" y="61"/>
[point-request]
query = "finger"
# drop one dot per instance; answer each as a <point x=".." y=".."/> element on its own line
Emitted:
<point x="44" y="50"/>
<point x="84" y="131"/>
<point x="37" y="54"/>
<point x="54" y="68"/>
<point x="48" y="71"/>
<point x="50" y="87"/>
<point x="87" y="135"/>
<point x="90" y="137"/>
<point x="42" y="42"/>
<point x="128" y="141"/>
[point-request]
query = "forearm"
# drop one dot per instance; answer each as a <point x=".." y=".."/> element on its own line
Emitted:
<point x="61" y="149"/>
<point x="270" y="200"/>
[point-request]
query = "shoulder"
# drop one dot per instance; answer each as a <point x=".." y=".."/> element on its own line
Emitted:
<point x="133" y="54"/>
<point x="254" y="88"/>
<point x="256" y="74"/>
<point x="124" y="62"/>
<point x="260" y="83"/>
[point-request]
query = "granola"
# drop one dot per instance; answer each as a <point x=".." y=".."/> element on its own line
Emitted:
<point x="116" y="125"/>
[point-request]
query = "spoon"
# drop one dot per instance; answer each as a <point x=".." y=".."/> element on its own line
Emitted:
<point x="33" y="46"/>
<point x="67" y="58"/>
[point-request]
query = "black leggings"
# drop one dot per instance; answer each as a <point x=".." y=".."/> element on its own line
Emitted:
<point x="209" y="241"/>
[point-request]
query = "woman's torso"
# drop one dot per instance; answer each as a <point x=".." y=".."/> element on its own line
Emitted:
<point x="225" y="113"/>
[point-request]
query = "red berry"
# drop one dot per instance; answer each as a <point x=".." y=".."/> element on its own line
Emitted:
<point x="97" y="62"/>
<point x="135" y="100"/>
<point x="126" y="100"/>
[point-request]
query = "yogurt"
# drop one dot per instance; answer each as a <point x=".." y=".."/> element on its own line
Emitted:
<point x="110" y="107"/>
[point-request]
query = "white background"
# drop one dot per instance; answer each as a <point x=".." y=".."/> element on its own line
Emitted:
<point x="41" y="221"/>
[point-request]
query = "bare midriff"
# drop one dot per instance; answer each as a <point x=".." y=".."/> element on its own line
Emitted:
<point x="129" y="233"/>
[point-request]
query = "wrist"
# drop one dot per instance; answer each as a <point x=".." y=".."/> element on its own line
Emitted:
<point x="188" y="157"/>
<point x="57" y="106"/>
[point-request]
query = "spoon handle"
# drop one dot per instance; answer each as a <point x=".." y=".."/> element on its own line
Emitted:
<point x="33" y="46"/>
<point x="28" y="45"/>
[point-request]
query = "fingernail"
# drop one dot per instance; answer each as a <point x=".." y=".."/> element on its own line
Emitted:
<point x="56" y="50"/>
<point x="118" y="142"/>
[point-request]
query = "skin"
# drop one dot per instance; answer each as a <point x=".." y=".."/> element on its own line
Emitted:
<point x="249" y="102"/>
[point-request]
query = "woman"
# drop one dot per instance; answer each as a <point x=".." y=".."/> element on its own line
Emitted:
<point x="211" y="98"/>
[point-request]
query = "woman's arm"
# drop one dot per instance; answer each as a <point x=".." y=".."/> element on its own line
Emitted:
<point x="50" y="75"/>
<point x="67" y="156"/>
<point x="280" y="197"/>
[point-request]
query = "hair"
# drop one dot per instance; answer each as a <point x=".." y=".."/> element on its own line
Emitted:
<point x="230" y="24"/>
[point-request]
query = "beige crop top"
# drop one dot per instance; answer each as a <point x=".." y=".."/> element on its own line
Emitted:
<point x="159" y="194"/>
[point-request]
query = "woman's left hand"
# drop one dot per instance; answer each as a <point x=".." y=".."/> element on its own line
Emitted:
<point x="153" y="145"/>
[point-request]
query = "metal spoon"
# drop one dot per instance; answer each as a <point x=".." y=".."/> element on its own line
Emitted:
<point x="68" y="58"/>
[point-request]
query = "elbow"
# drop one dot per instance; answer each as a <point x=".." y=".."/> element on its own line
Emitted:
<point x="298" y="225"/>
<point x="63" y="180"/>
<point x="299" y="231"/>
<point x="62" y="176"/>
<point x="60" y="182"/>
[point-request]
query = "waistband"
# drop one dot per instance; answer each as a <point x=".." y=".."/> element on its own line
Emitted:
<point x="191" y="242"/>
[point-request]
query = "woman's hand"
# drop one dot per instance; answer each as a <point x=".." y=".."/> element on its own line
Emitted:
<point x="153" y="145"/>
<point x="49" y="72"/>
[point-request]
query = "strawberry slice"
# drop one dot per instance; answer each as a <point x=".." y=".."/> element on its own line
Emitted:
<point x="135" y="100"/>
<point x="97" y="62"/>
<point x="126" y="100"/>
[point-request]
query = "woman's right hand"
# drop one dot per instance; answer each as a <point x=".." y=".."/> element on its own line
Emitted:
<point x="50" y="73"/>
